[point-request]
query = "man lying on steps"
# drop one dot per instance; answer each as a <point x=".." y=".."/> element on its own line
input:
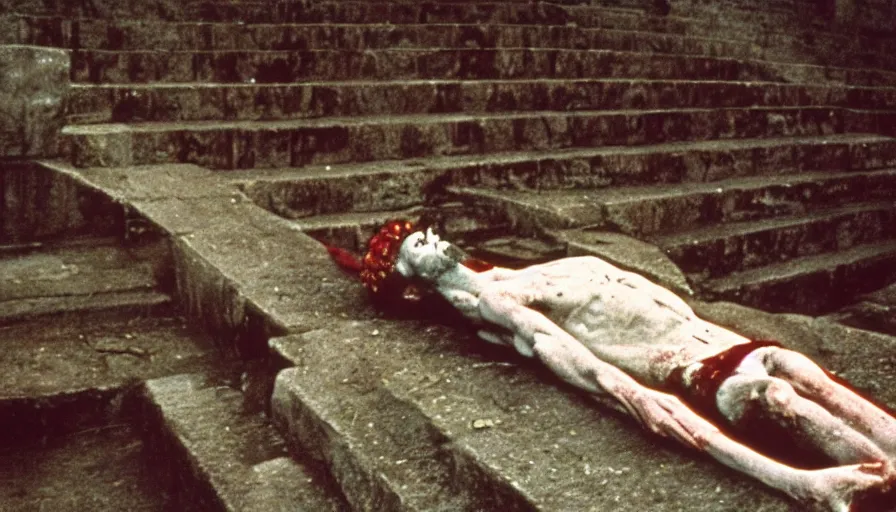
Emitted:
<point x="617" y="335"/>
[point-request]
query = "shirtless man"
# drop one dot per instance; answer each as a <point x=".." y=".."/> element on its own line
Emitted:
<point x="638" y="346"/>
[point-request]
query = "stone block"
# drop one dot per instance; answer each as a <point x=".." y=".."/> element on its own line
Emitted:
<point x="33" y="86"/>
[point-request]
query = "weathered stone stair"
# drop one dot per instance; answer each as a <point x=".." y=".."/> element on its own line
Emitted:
<point x="807" y="241"/>
<point x="400" y="184"/>
<point x="298" y="143"/>
<point x="158" y="102"/>
<point x="107" y="390"/>
<point x="78" y="276"/>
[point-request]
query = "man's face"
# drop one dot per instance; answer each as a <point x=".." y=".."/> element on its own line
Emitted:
<point x="423" y="254"/>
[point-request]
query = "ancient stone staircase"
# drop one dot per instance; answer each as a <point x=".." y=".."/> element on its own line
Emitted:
<point x="762" y="165"/>
<point x="533" y="96"/>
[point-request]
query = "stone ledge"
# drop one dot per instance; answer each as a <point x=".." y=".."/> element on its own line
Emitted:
<point x="67" y="373"/>
<point x="108" y="103"/>
<point x="40" y="204"/>
<point x="251" y="144"/>
<point x="243" y="272"/>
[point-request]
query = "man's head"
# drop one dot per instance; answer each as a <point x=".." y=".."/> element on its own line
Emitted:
<point x="425" y="255"/>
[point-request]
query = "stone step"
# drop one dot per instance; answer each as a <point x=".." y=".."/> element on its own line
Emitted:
<point x="390" y="12"/>
<point x="82" y="276"/>
<point x="91" y="32"/>
<point x="39" y="207"/>
<point x="64" y="374"/>
<point x="216" y="456"/>
<point x="413" y="416"/>
<point x="396" y="185"/>
<point x="347" y="12"/>
<point x="384" y="457"/>
<point x="352" y="231"/>
<point x="130" y="35"/>
<point x="102" y="66"/>
<point x="671" y="208"/>
<point x="333" y="140"/>
<point x="480" y="233"/>
<point x="97" y="469"/>
<point x="173" y="36"/>
<point x="354" y="12"/>
<point x="465" y="225"/>
<point x="757" y="28"/>
<point x="159" y="102"/>
<point x="716" y="251"/>
<point x="872" y="312"/>
<point x="812" y="284"/>
<point x="553" y="13"/>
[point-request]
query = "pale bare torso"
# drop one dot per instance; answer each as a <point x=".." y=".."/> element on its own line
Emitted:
<point x="623" y="318"/>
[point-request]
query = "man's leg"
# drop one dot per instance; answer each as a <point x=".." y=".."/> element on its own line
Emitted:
<point x="834" y="488"/>
<point x="814" y="383"/>
<point x="742" y="395"/>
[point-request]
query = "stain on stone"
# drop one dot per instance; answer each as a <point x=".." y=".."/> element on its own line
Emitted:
<point x="50" y="32"/>
<point x="540" y="97"/>
<point x="137" y="70"/>
<point x="224" y="66"/>
<point x="448" y="98"/>
<point x="209" y="148"/>
<point x="33" y="85"/>
<point x="245" y="147"/>
<point x="475" y="36"/>
<point x="115" y="38"/>
<point x="413" y="143"/>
